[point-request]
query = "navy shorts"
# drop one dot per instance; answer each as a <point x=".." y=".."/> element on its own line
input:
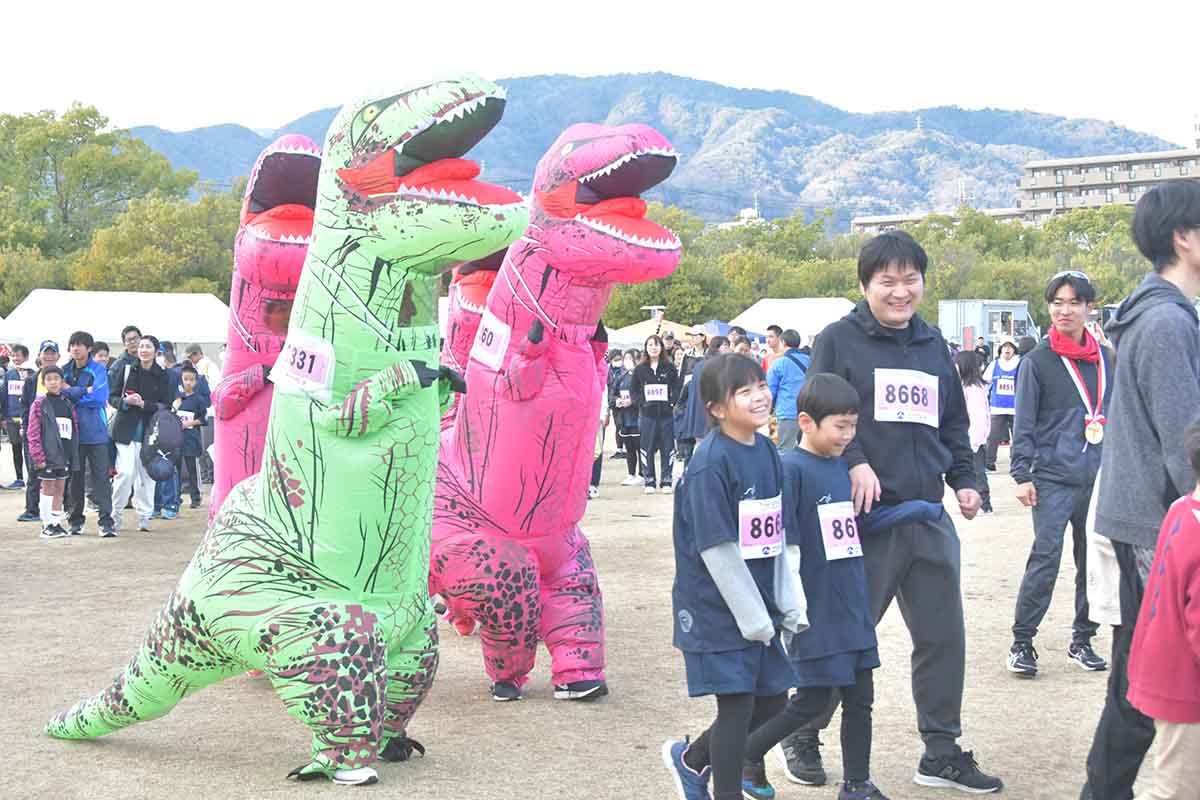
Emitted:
<point x="760" y="670"/>
<point x="835" y="670"/>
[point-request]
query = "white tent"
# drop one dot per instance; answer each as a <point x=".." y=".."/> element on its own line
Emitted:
<point x="807" y="315"/>
<point x="57" y="313"/>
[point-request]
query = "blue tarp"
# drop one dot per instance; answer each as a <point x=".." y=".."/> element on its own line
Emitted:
<point x="715" y="327"/>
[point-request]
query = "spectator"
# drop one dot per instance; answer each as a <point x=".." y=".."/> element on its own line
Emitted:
<point x="87" y="389"/>
<point x="1025" y="345"/>
<point x="743" y="348"/>
<point x="100" y="354"/>
<point x="137" y="392"/>
<point x="975" y="395"/>
<point x="206" y="368"/>
<point x="33" y="388"/>
<point x="130" y="336"/>
<point x="694" y="420"/>
<point x="785" y="379"/>
<point x="628" y="437"/>
<point x="615" y="370"/>
<point x="53" y="447"/>
<point x="1001" y="379"/>
<point x="775" y="347"/>
<point x="14" y="379"/>
<point x="191" y="408"/>
<point x="655" y="389"/>
<point x="736" y="334"/>
<point x="983" y="351"/>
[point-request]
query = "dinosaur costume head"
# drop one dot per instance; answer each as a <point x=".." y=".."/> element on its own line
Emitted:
<point x="273" y="236"/>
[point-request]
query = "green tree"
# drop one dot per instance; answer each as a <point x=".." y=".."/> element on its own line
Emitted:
<point x="23" y="269"/>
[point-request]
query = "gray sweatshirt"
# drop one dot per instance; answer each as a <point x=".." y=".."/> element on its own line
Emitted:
<point x="1156" y="395"/>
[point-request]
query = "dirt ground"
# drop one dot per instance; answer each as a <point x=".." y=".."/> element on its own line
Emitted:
<point x="75" y="610"/>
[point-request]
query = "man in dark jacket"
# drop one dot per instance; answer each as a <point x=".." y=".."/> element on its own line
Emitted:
<point x="130" y="336"/>
<point x="1063" y="394"/>
<point x="912" y="436"/>
<point x="87" y="388"/>
<point x="1145" y="467"/>
<point x="14" y="383"/>
<point x="136" y="391"/>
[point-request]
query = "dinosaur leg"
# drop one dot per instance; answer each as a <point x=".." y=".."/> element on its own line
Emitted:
<point x="177" y="658"/>
<point x="411" y="665"/>
<point x="573" y="616"/>
<point x="328" y="664"/>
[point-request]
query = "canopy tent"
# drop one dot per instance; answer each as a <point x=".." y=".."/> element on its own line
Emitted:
<point x="635" y="335"/>
<point x="806" y="315"/>
<point x="57" y="313"/>
<point x="715" y="327"/>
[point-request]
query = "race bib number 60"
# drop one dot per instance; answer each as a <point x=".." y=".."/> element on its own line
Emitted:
<point x="906" y="395"/>
<point x="491" y="340"/>
<point x="760" y="524"/>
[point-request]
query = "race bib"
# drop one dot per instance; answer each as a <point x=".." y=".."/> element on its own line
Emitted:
<point x="839" y="530"/>
<point x="687" y="379"/>
<point x="760" y="527"/>
<point x="306" y="362"/>
<point x="491" y="340"/>
<point x="906" y="395"/>
<point x="625" y="395"/>
<point x="185" y="416"/>
<point x="1006" y="386"/>
<point x="15" y="388"/>
<point x="656" y="392"/>
<point x="65" y="426"/>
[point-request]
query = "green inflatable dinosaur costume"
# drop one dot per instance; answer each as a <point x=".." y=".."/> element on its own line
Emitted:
<point x="316" y="570"/>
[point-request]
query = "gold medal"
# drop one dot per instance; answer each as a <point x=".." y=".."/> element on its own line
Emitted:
<point x="1094" y="433"/>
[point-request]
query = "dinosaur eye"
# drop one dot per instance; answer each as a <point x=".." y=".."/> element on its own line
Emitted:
<point x="370" y="113"/>
<point x="567" y="148"/>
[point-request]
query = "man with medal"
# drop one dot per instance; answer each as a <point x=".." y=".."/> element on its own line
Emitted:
<point x="1063" y="389"/>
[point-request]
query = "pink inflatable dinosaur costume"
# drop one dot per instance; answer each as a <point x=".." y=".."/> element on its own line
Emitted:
<point x="272" y="240"/>
<point x="468" y="298"/>
<point x="514" y="464"/>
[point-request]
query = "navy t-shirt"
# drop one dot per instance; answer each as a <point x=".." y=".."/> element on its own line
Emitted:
<point x="722" y="472"/>
<point x="195" y="405"/>
<point x="839" y="615"/>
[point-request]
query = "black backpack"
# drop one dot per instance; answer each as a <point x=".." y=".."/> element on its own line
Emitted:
<point x="163" y="440"/>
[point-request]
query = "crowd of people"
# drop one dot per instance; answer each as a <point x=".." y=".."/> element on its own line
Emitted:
<point x="787" y="555"/>
<point x="99" y="434"/>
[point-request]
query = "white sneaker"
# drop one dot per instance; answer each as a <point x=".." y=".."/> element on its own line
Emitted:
<point x="632" y="480"/>
<point x="668" y="489"/>
<point x="593" y="492"/>
<point x="144" y="524"/>
<point x="648" y="490"/>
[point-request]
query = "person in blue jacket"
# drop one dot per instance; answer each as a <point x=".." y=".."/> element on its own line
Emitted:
<point x="693" y="422"/>
<point x="14" y="384"/>
<point x="87" y="388"/>
<point x="785" y="379"/>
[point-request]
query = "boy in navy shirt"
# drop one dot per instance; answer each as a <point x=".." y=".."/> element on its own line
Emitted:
<point x="191" y="407"/>
<point x="838" y="651"/>
<point x="734" y="591"/>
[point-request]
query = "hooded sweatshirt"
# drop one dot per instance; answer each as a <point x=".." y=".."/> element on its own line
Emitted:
<point x="1156" y="395"/>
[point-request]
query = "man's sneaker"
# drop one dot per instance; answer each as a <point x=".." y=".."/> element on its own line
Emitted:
<point x="860" y="790"/>
<point x="144" y="524"/>
<point x="27" y="517"/>
<point x="956" y="771"/>
<point x="17" y="484"/>
<point x="1083" y="655"/>
<point x="54" y="532"/>
<point x="593" y="492"/>
<point x="169" y="513"/>
<point x="648" y="490"/>
<point x="77" y="530"/>
<point x="195" y="504"/>
<point x="157" y="514"/>
<point x="755" y="785"/>
<point x="107" y="532"/>
<point x="580" y="690"/>
<point x="1022" y="659"/>
<point x="689" y="784"/>
<point x="504" y="691"/>
<point x="632" y="480"/>
<point x="617" y="455"/>
<point x="801" y="758"/>
<point x="667" y="489"/>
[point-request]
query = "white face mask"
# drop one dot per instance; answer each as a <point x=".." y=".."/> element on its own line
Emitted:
<point x="629" y="364"/>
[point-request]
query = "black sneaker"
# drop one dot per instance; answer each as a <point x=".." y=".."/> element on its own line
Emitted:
<point x="53" y="532"/>
<point x="77" y="530"/>
<point x="27" y="517"/>
<point x="195" y="504"/>
<point x="1022" y="659"/>
<point x="580" y="690"/>
<point x="860" y="790"/>
<point x="107" y="532"/>
<point x="956" y="771"/>
<point x="1083" y="655"/>
<point x="504" y="691"/>
<point x="801" y="757"/>
<point x="755" y="785"/>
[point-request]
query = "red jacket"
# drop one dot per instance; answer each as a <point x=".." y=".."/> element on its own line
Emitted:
<point x="1164" y="665"/>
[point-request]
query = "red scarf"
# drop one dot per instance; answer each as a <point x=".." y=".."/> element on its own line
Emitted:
<point x="1088" y="351"/>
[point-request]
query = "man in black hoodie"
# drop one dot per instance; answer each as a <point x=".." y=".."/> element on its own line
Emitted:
<point x="1145" y="468"/>
<point x="912" y="436"/>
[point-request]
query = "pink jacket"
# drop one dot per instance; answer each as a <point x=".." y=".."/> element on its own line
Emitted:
<point x="980" y="414"/>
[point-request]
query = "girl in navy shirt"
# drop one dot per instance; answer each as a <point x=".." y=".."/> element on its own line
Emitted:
<point x="734" y="592"/>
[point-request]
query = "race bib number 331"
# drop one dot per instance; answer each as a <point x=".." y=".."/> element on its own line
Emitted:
<point x="306" y="362"/>
<point x="906" y="395"/>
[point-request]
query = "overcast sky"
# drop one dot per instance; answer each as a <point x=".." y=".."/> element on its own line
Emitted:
<point x="184" y="65"/>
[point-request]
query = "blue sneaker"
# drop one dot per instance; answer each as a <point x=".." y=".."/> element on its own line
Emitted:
<point x="158" y="514"/>
<point x="17" y="484"/>
<point x="169" y="514"/>
<point x="755" y="785"/>
<point x="689" y="784"/>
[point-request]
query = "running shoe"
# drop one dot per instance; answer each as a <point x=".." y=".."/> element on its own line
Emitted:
<point x="632" y="480"/>
<point x="689" y="784"/>
<point x="505" y="691"/>
<point x="27" y="517"/>
<point x="958" y="770"/>
<point x="17" y="484"/>
<point x="667" y="489"/>
<point x="1083" y="655"/>
<point x="1022" y="659"/>
<point x="648" y="490"/>
<point x="801" y="757"/>
<point x="755" y="785"/>
<point x="580" y="690"/>
<point x="593" y="492"/>
<point x="76" y="530"/>
<point x="107" y="532"/>
<point x="144" y="524"/>
<point x="860" y="790"/>
<point x="169" y="513"/>
<point x="54" y="532"/>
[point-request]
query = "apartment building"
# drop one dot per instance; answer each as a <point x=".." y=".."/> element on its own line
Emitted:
<point x="890" y="222"/>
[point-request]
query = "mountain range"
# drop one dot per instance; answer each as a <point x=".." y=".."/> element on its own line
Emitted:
<point x="785" y="151"/>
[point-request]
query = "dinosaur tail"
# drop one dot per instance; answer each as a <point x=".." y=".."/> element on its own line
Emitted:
<point x="175" y="659"/>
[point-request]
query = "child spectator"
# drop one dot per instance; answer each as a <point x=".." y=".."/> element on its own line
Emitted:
<point x="191" y="408"/>
<point x="1164" y="664"/>
<point x="100" y="353"/>
<point x="734" y="591"/>
<point x="979" y="411"/>
<point x="54" y="448"/>
<point x="34" y="388"/>
<point x="838" y="651"/>
<point x="14" y="382"/>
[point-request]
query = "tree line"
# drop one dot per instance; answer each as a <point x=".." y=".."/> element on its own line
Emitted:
<point x="86" y="207"/>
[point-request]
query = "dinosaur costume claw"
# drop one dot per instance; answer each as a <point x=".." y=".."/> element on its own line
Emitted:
<point x="315" y="571"/>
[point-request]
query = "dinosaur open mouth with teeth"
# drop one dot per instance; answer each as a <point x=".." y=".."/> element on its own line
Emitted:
<point x="283" y="194"/>
<point x="427" y="164"/>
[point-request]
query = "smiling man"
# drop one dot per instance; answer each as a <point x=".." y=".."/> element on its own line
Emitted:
<point x="1063" y="390"/>
<point x="912" y="435"/>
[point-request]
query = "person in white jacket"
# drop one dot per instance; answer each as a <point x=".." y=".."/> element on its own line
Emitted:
<point x="981" y="418"/>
